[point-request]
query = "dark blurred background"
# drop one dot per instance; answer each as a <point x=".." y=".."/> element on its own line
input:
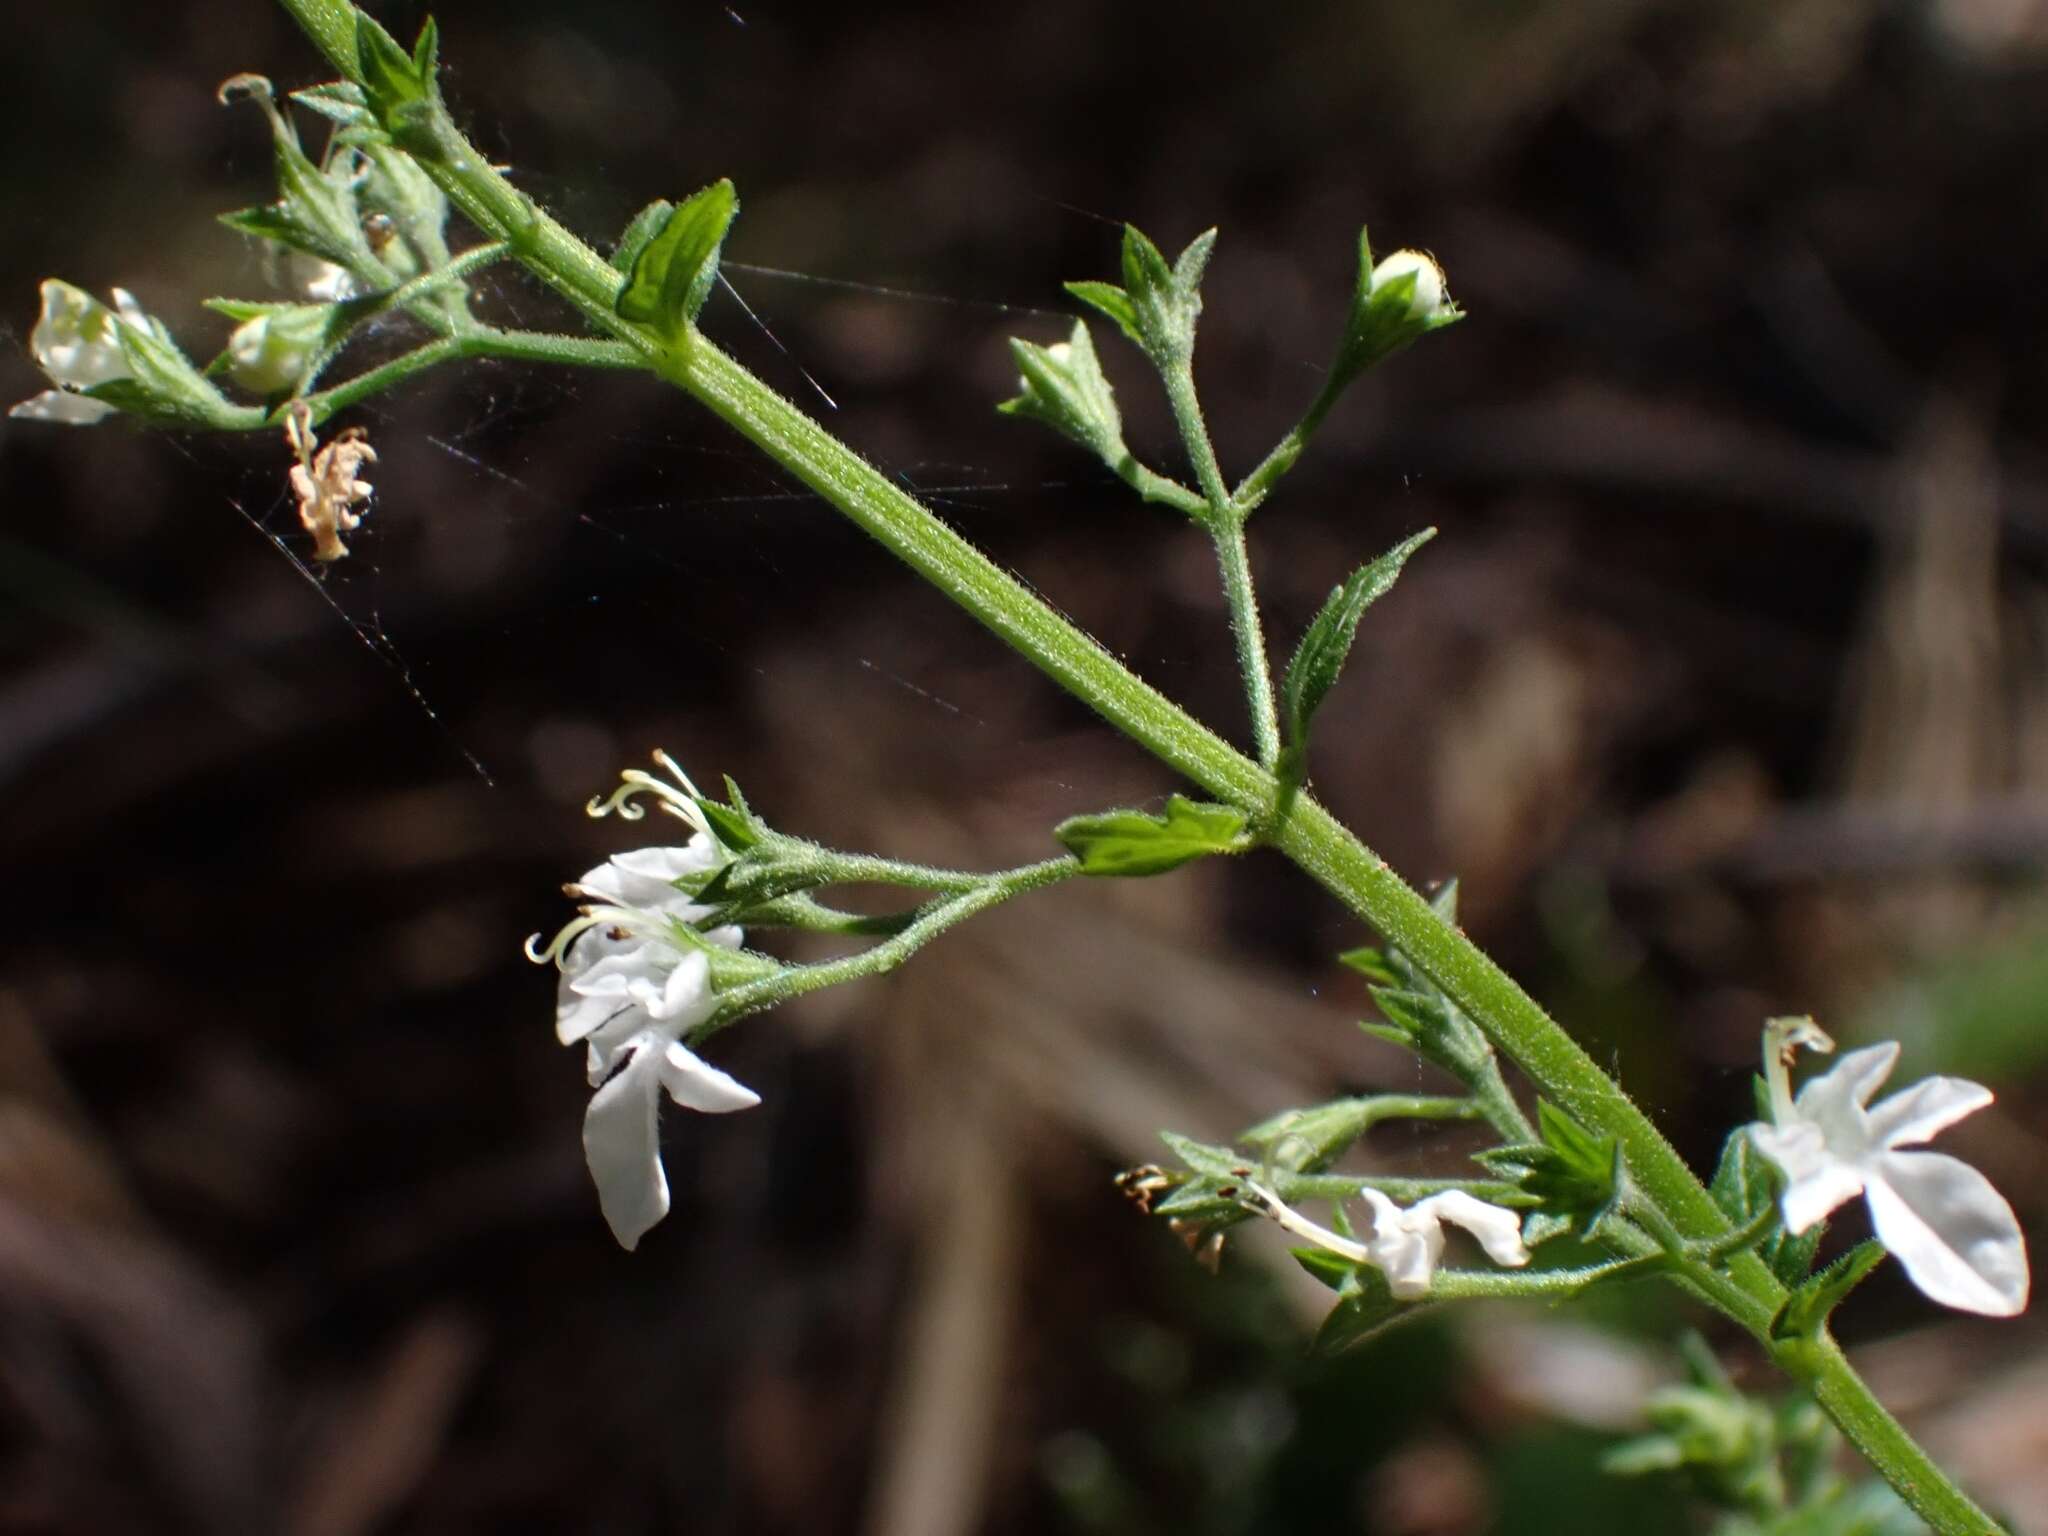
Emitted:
<point x="1723" y="691"/>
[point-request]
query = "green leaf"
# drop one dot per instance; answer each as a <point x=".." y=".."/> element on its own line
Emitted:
<point x="1211" y="1162"/>
<point x="1806" y="1310"/>
<point x="1364" y="1316"/>
<point x="1373" y="964"/>
<point x="1112" y="301"/>
<point x="1327" y="642"/>
<point x="672" y="276"/>
<point x="1145" y="270"/>
<point x="426" y="53"/>
<point x="1133" y="843"/>
<point x="391" y="76"/>
<point x="1192" y="262"/>
<point x="341" y="100"/>
<point x="643" y="228"/>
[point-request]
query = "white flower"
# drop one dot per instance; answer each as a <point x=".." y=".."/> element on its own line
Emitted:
<point x="1427" y="299"/>
<point x="1408" y="1244"/>
<point x="633" y="984"/>
<point x="1954" y="1234"/>
<point x="77" y="343"/>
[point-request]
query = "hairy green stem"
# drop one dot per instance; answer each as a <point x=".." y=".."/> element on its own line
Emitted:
<point x="1309" y="836"/>
<point x="479" y="341"/>
<point x="1233" y="559"/>
<point x="931" y="920"/>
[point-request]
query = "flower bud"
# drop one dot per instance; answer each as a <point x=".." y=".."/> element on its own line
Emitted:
<point x="272" y="352"/>
<point x="1426" y="299"/>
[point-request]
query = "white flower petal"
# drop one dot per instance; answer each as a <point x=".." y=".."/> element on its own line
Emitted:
<point x="63" y="407"/>
<point x="1405" y="1245"/>
<point x="685" y="997"/>
<point x="1923" y="1111"/>
<point x="645" y="877"/>
<point x="695" y="1084"/>
<point x="1817" y="1180"/>
<point x="1954" y="1234"/>
<point x="622" y="979"/>
<point x="1836" y="1098"/>
<point x="1499" y="1230"/>
<point x="621" y="1142"/>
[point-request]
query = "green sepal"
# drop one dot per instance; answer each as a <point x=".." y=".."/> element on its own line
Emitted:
<point x="1574" y="1173"/>
<point x="1326" y="643"/>
<point x="426" y="53"/>
<point x="1745" y="1184"/>
<point x="1134" y="843"/>
<point x="733" y="822"/>
<point x="1805" y="1312"/>
<point x="673" y="273"/>
<point x="1379" y="323"/>
<point x="1068" y="391"/>
<point x="643" y="228"/>
<point x="1112" y="301"/>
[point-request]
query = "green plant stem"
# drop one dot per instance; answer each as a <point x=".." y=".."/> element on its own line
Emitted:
<point x="478" y="341"/>
<point x="931" y="921"/>
<point x="1233" y="559"/>
<point x="1309" y="836"/>
<point x="1885" y="1444"/>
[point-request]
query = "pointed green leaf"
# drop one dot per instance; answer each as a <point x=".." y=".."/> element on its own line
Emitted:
<point x="1145" y="269"/>
<point x="1112" y="301"/>
<point x="645" y="225"/>
<point x="1327" y="642"/>
<point x="1373" y="964"/>
<point x="1133" y="843"/>
<point x="389" y="73"/>
<point x="1192" y="262"/>
<point x="673" y="274"/>
<point x="426" y="54"/>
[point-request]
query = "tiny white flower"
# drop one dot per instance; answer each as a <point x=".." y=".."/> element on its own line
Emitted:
<point x="1407" y="1244"/>
<point x="1955" y="1235"/>
<point x="1427" y="298"/>
<point x="77" y="343"/>
<point x="632" y="985"/>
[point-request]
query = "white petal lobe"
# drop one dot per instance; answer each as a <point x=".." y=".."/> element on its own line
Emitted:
<point x="1954" y="1234"/>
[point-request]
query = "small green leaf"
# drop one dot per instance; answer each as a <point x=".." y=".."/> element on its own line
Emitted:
<point x="426" y="53"/>
<point x="1113" y="302"/>
<point x="1373" y="964"/>
<point x="672" y="276"/>
<point x="341" y="100"/>
<point x="390" y="75"/>
<point x="1192" y="262"/>
<point x="1807" y="1309"/>
<point x="1145" y="269"/>
<point x="1211" y="1162"/>
<point x="1364" y="1316"/>
<point x="1327" y="642"/>
<point x="645" y="225"/>
<point x="1133" y="843"/>
<point x="1575" y="1174"/>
